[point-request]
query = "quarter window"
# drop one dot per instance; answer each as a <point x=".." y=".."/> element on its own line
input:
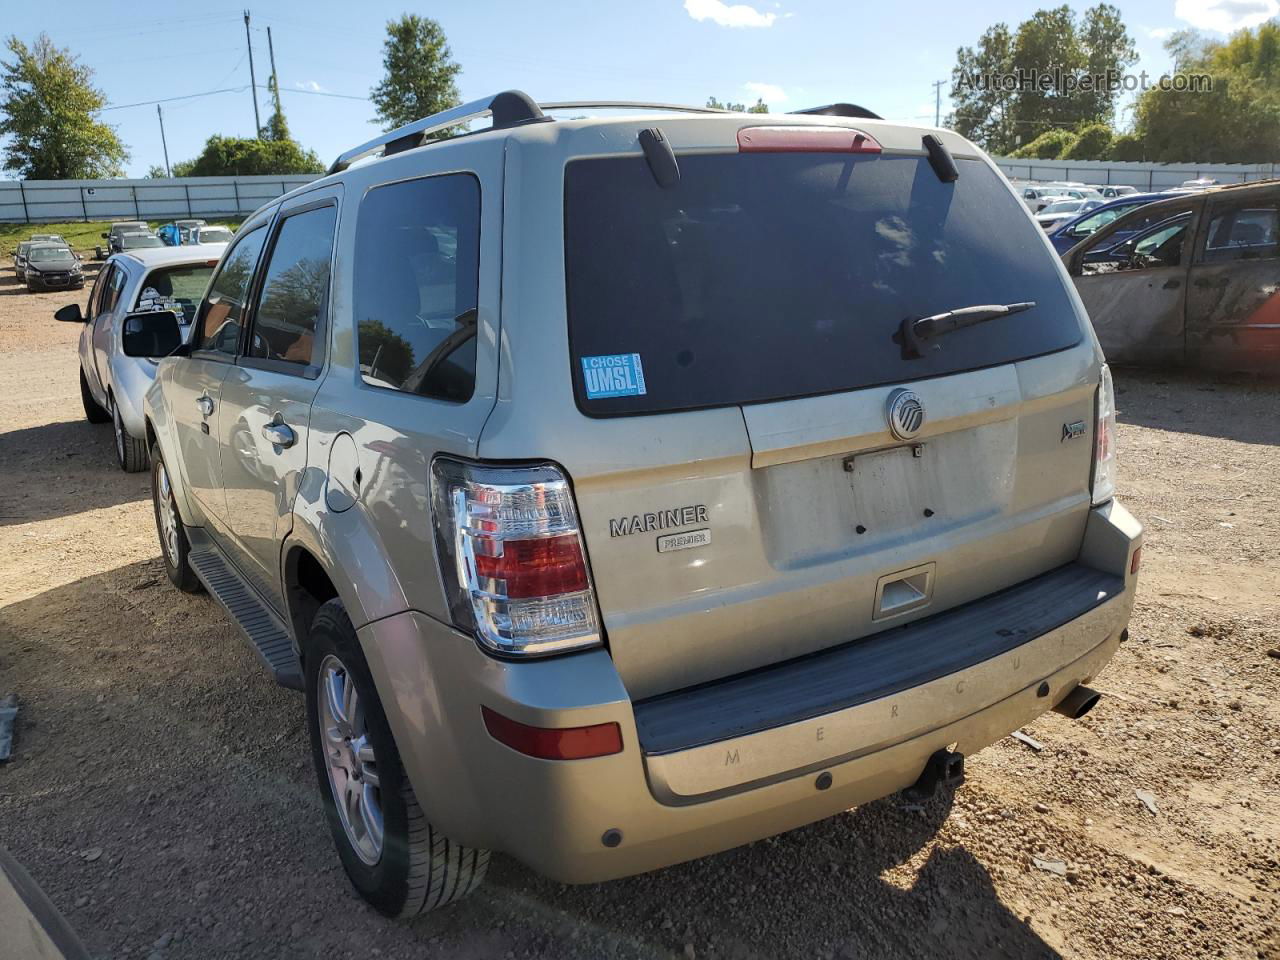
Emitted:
<point x="416" y="281"/>
<point x="295" y="290"/>
<point x="221" y="314"/>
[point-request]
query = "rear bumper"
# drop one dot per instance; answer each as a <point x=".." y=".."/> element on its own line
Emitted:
<point x="678" y="804"/>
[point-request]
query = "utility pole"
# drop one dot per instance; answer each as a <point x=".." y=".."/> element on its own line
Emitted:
<point x="253" y="83"/>
<point x="164" y="143"/>
<point x="937" y="102"/>
<point x="275" y="80"/>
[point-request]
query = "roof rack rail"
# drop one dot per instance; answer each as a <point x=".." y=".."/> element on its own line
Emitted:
<point x="841" y="110"/>
<point x="626" y="105"/>
<point x="508" y="109"/>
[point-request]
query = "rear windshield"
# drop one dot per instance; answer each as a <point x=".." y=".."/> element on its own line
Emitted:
<point x="762" y="276"/>
<point x="178" y="289"/>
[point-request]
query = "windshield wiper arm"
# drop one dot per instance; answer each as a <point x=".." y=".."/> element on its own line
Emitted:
<point x="916" y="330"/>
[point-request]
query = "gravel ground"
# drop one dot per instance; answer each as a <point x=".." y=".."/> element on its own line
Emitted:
<point x="161" y="790"/>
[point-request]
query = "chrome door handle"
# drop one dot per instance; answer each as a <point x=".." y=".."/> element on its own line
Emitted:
<point x="205" y="404"/>
<point x="280" y="434"/>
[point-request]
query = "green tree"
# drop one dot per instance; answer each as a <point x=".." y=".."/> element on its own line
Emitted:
<point x="1050" y="145"/>
<point x="982" y="108"/>
<point x="999" y="116"/>
<point x="246" y="156"/>
<point x="1238" y="121"/>
<point x="1108" y="48"/>
<point x="48" y="111"/>
<point x="1127" y="147"/>
<point x="420" y="73"/>
<point x="1092" y="142"/>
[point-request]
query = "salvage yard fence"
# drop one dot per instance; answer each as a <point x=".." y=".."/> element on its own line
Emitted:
<point x="1144" y="176"/>
<point x="43" y="201"/>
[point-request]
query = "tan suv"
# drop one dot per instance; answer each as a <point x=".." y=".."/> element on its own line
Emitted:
<point x="621" y="489"/>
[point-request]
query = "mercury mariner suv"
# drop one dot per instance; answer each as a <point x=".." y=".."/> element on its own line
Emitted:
<point x="623" y="487"/>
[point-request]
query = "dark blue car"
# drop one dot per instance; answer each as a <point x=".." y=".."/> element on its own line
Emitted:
<point x="1068" y="234"/>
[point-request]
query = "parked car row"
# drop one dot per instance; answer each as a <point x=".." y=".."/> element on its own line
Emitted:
<point x="1037" y="196"/>
<point x="406" y="438"/>
<point x="44" y="261"/>
<point x="184" y="232"/>
<point x="134" y="281"/>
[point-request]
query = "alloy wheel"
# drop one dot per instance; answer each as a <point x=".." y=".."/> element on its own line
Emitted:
<point x="167" y="515"/>
<point x="351" y="762"/>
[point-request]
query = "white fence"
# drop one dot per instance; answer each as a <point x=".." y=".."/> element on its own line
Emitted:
<point x="38" y="201"/>
<point x="1145" y="176"/>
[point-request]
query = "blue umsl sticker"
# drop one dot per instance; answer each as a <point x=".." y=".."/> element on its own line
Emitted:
<point x="614" y="375"/>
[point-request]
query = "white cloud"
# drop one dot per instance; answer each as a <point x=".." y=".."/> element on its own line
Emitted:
<point x="310" y="85"/>
<point x="1225" y="16"/>
<point x="730" y="15"/>
<point x="1159" y="33"/>
<point x="768" y="92"/>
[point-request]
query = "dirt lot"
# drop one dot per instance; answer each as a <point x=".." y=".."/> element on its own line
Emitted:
<point x="161" y="790"/>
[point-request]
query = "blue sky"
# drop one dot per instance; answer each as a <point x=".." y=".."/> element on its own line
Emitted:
<point x="795" y="53"/>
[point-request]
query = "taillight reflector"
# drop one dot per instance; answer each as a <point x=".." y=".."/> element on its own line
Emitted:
<point x="1135" y="562"/>
<point x="537" y="568"/>
<point x="554" y="743"/>
<point x="805" y="140"/>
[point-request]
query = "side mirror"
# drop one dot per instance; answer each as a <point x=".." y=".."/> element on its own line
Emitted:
<point x="69" y="314"/>
<point x="153" y="334"/>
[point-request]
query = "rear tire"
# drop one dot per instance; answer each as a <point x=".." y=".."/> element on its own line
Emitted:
<point x="93" y="411"/>
<point x="174" y="545"/>
<point x="131" y="453"/>
<point x="410" y="867"/>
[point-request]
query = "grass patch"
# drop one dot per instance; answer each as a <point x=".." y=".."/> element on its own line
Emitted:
<point x="81" y="236"/>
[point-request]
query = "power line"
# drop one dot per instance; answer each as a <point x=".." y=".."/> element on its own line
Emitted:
<point x="320" y="93"/>
<point x="188" y="96"/>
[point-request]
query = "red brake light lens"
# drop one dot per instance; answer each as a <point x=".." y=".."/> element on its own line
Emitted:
<point x="537" y="568"/>
<point x="799" y="139"/>
<point x="554" y="743"/>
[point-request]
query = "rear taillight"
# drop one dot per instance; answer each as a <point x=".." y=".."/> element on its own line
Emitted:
<point x="512" y="557"/>
<point x="1104" y="451"/>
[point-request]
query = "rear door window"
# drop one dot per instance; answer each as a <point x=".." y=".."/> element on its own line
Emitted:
<point x="1241" y="232"/>
<point x="416" y="284"/>
<point x="766" y="276"/>
<point x="295" y="290"/>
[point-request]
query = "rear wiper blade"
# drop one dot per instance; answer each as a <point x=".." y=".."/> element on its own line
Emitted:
<point x="916" y="330"/>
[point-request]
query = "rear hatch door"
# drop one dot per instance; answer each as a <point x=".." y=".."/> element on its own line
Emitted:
<point x="743" y="495"/>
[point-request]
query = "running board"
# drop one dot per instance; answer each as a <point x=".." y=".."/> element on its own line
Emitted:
<point x="264" y="631"/>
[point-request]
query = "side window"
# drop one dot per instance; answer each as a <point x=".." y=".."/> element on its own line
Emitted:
<point x="99" y="288"/>
<point x="295" y="289"/>
<point x="221" y="313"/>
<point x="416" y="279"/>
<point x="1160" y="248"/>
<point x="1241" y="233"/>
<point x="111" y="288"/>
<point x="1091" y="225"/>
